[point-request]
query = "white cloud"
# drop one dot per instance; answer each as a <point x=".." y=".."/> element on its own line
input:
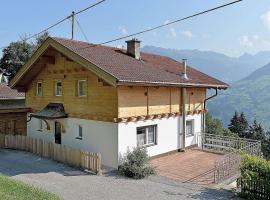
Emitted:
<point x="123" y="30"/>
<point x="188" y="34"/>
<point x="173" y="32"/>
<point x="246" y="41"/>
<point x="266" y="19"/>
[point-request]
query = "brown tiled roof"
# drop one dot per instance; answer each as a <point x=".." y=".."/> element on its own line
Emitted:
<point x="150" y="70"/>
<point x="7" y="93"/>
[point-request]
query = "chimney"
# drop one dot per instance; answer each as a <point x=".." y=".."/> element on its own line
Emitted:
<point x="133" y="48"/>
<point x="184" y="72"/>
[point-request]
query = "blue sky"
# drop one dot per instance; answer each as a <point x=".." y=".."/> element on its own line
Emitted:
<point x="243" y="27"/>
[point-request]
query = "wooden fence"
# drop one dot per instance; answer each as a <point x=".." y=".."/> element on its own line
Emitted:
<point x="61" y="153"/>
<point x="254" y="189"/>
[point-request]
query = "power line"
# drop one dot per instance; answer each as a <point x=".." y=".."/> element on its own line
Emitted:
<point x="166" y="24"/>
<point x="85" y="9"/>
<point x="61" y="21"/>
<point x="81" y="29"/>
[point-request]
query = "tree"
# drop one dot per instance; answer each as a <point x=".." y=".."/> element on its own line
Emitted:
<point x="233" y="126"/>
<point x="239" y="124"/>
<point x="215" y="126"/>
<point x="256" y="131"/>
<point x="17" y="53"/>
<point x="14" y="56"/>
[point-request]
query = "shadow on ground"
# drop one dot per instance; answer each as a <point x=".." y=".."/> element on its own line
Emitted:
<point x="14" y="163"/>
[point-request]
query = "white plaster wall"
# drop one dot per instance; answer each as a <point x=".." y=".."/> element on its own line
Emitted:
<point x="33" y="130"/>
<point x="97" y="137"/>
<point x="191" y="140"/>
<point x="168" y="134"/>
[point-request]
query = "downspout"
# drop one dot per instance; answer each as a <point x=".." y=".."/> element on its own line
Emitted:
<point x="183" y="91"/>
<point x="183" y="94"/>
<point x="204" y="107"/>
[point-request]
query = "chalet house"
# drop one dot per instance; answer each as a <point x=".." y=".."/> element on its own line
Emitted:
<point x="104" y="99"/>
<point x="13" y="113"/>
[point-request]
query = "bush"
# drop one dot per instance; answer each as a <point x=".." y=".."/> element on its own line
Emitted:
<point x="255" y="177"/>
<point x="135" y="164"/>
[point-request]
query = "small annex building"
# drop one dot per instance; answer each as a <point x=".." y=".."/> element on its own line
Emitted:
<point x="13" y="113"/>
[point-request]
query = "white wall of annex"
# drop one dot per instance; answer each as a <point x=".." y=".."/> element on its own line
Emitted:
<point x="97" y="137"/>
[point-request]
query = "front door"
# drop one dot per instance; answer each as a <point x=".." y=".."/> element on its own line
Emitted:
<point x="57" y="133"/>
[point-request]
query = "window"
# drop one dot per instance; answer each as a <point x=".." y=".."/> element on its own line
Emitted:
<point x="40" y="125"/>
<point x="58" y="88"/>
<point x="190" y="127"/>
<point x="82" y="88"/>
<point x="146" y="135"/>
<point x="39" y="88"/>
<point x="80" y="132"/>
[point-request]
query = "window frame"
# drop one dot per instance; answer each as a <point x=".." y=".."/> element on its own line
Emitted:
<point x="147" y="144"/>
<point x="37" y="89"/>
<point x="78" y="87"/>
<point x="192" y="128"/>
<point x="40" y="125"/>
<point x="55" y="88"/>
<point x="80" y="132"/>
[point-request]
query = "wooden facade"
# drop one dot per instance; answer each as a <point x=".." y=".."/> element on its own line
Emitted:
<point x="100" y="103"/>
<point x="158" y="101"/>
<point x="13" y="121"/>
<point x="103" y="101"/>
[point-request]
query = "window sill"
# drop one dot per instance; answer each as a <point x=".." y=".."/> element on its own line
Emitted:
<point x="78" y="138"/>
<point x="147" y="145"/>
<point x="190" y="135"/>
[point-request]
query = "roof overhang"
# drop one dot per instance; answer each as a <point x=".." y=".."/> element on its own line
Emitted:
<point x="51" y="111"/>
<point x="170" y="84"/>
<point x="51" y="43"/>
<point x="14" y="110"/>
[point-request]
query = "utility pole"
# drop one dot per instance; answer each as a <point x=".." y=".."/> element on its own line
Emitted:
<point x="72" y="21"/>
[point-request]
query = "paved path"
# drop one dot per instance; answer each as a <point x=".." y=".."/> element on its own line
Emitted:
<point x="72" y="184"/>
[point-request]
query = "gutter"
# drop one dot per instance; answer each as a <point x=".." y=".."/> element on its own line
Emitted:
<point x="169" y="84"/>
<point x="204" y="107"/>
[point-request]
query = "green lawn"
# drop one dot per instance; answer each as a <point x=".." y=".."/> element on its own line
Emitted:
<point x="14" y="190"/>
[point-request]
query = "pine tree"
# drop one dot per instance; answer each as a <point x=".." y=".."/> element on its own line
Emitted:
<point x="239" y="124"/>
<point x="256" y="131"/>
<point x="243" y="125"/>
<point x="234" y="124"/>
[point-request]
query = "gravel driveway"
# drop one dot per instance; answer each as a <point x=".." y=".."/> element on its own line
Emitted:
<point x="72" y="184"/>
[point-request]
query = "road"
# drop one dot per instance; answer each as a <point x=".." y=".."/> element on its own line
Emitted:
<point x="72" y="184"/>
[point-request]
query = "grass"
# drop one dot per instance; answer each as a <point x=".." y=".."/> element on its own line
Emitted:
<point x="15" y="190"/>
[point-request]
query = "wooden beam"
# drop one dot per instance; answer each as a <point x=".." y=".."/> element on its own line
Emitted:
<point x="46" y="59"/>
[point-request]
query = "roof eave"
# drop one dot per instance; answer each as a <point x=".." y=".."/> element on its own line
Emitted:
<point x="50" y="42"/>
<point x="170" y="84"/>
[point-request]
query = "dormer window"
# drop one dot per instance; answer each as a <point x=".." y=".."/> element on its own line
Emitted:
<point x="58" y="88"/>
<point x="82" y="88"/>
<point x="39" y="88"/>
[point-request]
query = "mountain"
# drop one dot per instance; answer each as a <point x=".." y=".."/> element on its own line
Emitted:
<point x="228" y="69"/>
<point x="250" y="95"/>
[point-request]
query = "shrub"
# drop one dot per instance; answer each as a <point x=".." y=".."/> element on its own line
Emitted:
<point x="135" y="164"/>
<point x="255" y="177"/>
